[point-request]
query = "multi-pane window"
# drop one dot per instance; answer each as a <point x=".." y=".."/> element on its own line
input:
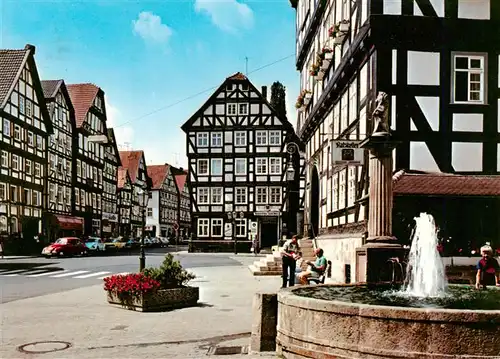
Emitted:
<point x="240" y="138"/>
<point x="240" y="166"/>
<point x="203" y="196"/>
<point x="240" y="195"/>
<point x="150" y="212"/>
<point x="203" y="227"/>
<point x="261" y="138"/>
<point x="275" y="166"/>
<point x="202" y="139"/>
<point x="216" y="195"/>
<point x="5" y="159"/>
<point x="217" y="139"/>
<point x="275" y="138"/>
<point x="203" y="166"/>
<point x="241" y="227"/>
<point x="15" y="162"/>
<point x="469" y="80"/>
<point x="231" y="109"/>
<point x="37" y="169"/>
<point x="17" y="132"/>
<point x="261" y="195"/>
<point x="3" y="191"/>
<point x="27" y="167"/>
<point x="243" y="109"/>
<point x="275" y="195"/>
<point x="216" y="166"/>
<point x="261" y="166"/>
<point x="217" y="227"/>
<point x="21" y="104"/>
<point x="6" y="127"/>
<point x="30" y="138"/>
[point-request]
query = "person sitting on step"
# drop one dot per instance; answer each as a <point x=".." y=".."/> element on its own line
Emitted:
<point x="314" y="269"/>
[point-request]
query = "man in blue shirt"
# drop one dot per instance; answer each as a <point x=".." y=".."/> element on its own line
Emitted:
<point x="315" y="269"/>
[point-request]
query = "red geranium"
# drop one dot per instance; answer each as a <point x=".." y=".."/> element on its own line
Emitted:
<point x="130" y="284"/>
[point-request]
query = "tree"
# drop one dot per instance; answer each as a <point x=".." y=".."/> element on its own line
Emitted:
<point x="278" y="101"/>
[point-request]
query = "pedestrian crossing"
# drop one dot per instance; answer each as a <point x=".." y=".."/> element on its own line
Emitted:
<point x="62" y="274"/>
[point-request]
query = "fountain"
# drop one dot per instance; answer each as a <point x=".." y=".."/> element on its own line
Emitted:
<point x="425" y="318"/>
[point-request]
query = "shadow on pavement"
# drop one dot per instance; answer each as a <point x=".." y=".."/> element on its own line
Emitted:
<point x="28" y="265"/>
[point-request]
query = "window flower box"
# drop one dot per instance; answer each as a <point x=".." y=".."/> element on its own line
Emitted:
<point x="307" y="98"/>
<point x="320" y="76"/>
<point x="329" y="57"/>
<point x="339" y="40"/>
<point x="344" y="26"/>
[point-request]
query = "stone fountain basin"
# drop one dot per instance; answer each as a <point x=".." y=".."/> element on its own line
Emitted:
<point x="315" y="328"/>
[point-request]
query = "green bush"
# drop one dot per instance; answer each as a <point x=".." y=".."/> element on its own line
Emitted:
<point x="170" y="274"/>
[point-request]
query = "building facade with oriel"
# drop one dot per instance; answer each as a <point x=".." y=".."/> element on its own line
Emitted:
<point x="237" y="153"/>
<point x="442" y="82"/>
<point x="25" y="127"/>
<point x="59" y="219"/>
<point x="112" y="161"/>
<point x="88" y="156"/>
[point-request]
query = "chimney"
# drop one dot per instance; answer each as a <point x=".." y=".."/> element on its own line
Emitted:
<point x="264" y="92"/>
<point x="30" y="47"/>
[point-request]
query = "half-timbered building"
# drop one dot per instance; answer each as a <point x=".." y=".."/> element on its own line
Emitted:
<point x="26" y="126"/>
<point x="135" y="163"/>
<point x="124" y="194"/>
<point x="88" y="155"/>
<point x="438" y="61"/>
<point x="184" y="205"/>
<point x="236" y="147"/>
<point x="59" y="196"/>
<point x="110" y="184"/>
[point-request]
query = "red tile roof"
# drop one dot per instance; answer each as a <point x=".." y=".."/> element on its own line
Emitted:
<point x="130" y="160"/>
<point x="158" y="173"/>
<point x="180" y="180"/>
<point x="444" y="184"/>
<point x="237" y="76"/>
<point x="11" y="62"/>
<point x="82" y="97"/>
<point x="122" y="177"/>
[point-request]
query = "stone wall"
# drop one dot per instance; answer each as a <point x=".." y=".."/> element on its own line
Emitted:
<point x="340" y="249"/>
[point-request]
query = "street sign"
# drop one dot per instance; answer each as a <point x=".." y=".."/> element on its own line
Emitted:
<point x="347" y="152"/>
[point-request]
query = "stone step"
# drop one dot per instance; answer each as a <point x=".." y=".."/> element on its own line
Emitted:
<point x="256" y="272"/>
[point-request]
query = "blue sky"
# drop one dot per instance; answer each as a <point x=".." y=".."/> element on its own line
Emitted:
<point x="148" y="55"/>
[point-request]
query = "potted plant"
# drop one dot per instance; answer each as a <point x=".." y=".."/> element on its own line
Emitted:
<point x="154" y="289"/>
<point x="300" y="101"/>
<point x="343" y="26"/>
<point x="333" y="30"/>
<point x="314" y="70"/>
<point x="307" y="97"/>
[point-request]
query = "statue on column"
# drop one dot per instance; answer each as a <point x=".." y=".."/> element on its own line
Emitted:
<point x="381" y="115"/>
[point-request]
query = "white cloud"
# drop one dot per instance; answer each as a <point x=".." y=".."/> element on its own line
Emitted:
<point x="291" y="111"/>
<point x="228" y="15"/>
<point x="149" y="27"/>
<point x="124" y="134"/>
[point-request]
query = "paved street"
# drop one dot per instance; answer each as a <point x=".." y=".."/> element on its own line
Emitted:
<point x="25" y="278"/>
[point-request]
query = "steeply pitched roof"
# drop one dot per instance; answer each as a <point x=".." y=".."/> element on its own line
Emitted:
<point x="50" y="88"/>
<point x="130" y="160"/>
<point x="82" y="97"/>
<point x="180" y="180"/>
<point x="158" y="173"/>
<point x="11" y="64"/>
<point x="237" y="76"/>
<point x="444" y="184"/>
<point x="122" y="177"/>
<point x="112" y="142"/>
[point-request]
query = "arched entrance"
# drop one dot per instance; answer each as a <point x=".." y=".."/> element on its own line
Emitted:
<point x="314" y="203"/>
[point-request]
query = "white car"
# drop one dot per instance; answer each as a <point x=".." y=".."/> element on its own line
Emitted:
<point x="95" y="244"/>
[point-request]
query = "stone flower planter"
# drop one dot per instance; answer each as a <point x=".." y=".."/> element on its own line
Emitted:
<point x="161" y="300"/>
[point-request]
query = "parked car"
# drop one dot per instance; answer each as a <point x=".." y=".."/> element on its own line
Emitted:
<point x="116" y="243"/>
<point x="66" y="246"/>
<point x="164" y="241"/>
<point x="132" y="244"/>
<point x="95" y="244"/>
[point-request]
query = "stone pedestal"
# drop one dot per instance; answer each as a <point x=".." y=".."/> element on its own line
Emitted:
<point x="265" y="320"/>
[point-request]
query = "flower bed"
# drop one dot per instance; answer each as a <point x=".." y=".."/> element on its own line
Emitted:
<point x="154" y="289"/>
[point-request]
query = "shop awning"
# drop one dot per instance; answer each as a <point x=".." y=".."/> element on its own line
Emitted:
<point x="66" y="222"/>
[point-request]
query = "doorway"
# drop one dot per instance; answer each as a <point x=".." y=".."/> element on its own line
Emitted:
<point x="268" y="232"/>
<point x="314" y="203"/>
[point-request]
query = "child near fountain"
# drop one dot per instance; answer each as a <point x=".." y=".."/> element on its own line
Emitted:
<point x="488" y="269"/>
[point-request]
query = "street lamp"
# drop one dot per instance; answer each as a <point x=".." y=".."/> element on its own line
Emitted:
<point x="143" y="200"/>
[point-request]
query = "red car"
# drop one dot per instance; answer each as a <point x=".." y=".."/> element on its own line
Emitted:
<point x="67" y="246"/>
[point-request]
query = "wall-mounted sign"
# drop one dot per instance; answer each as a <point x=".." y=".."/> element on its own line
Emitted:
<point x="253" y="227"/>
<point x="228" y="230"/>
<point x="267" y="214"/>
<point x="112" y="217"/>
<point x="347" y="152"/>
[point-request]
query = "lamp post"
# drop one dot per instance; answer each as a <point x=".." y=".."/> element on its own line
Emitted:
<point x="143" y="200"/>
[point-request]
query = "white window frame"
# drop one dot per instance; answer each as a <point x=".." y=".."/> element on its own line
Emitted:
<point x="271" y="195"/>
<point x="6" y="127"/>
<point x="203" y="192"/>
<point x="4" y="159"/>
<point x="217" y="222"/>
<point x="275" y="138"/>
<point x="240" y="192"/>
<point x="262" y="195"/>
<point x="198" y="167"/>
<point x="212" y="166"/>
<point x="242" y="106"/>
<point x="231" y="109"/>
<point x="244" y="160"/>
<point x="261" y="138"/>
<point x="261" y="166"/>
<point x="15" y="159"/>
<point x="272" y="166"/>
<point x="482" y="72"/>
<point x="214" y="195"/>
<point x="203" y="228"/>
<point x="17" y="133"/>
<point x="216" y="139"/>
<point x="202" y="139"/>
<point x="240" y="138"/>
<point x="241" y="227"/>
